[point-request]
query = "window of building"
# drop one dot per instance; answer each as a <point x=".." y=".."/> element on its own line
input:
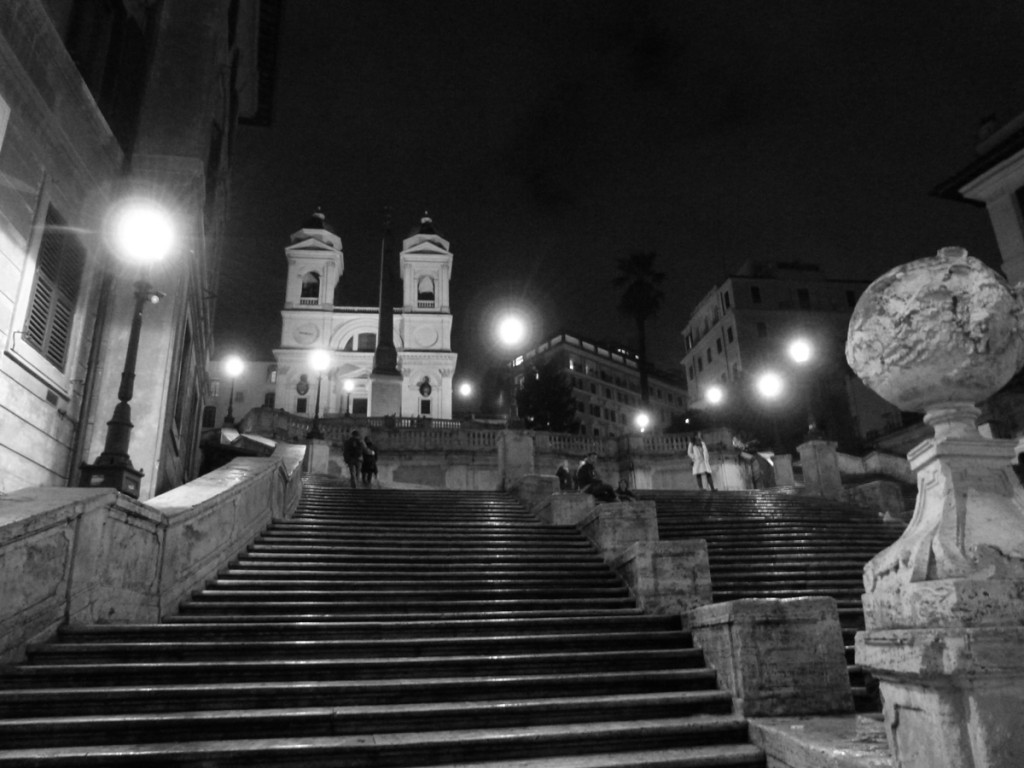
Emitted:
<point x="593" y="389"/>
<point x="300" y="405"/>
<point x="366" y="342"/>
<point x="210" y="417"/>
<point x="595" y="410"/>
<point x="310" y="286"/>
<point x="718" y="345"/>
<point x="762" y="331"/>
<point x="57" y="281"/>
<point x="755" y="294"/>
<point x="360" y="406"/>
<point x="803" y="298"/>
<point x="215" y="388"/>
<point x="607" y="392"/>
<point x="271" y="374"/>
<point x="425" y="291"/>
<point x="424" y="407"/>
<point x="728" y="334"/>
<point x="726" y="298"/>
<point x="268" y="399"/>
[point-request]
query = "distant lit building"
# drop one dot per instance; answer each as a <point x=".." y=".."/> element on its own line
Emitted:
<point x="995" y="179"/>
<point x="745" y="324"/>
<point x="606" y="385"/>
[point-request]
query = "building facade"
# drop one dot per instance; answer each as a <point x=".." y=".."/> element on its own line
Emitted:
<point x="995" y="180"/>
<point x="99" y="101"/>
<point x="606" y="385"/>
<point x="310" y="321"/>
<point x="744" y="326"/>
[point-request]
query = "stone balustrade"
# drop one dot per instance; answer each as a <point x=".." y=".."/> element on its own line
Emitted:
<point x="93" y="556"/>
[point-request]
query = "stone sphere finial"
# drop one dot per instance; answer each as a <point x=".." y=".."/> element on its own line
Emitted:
<point x="944" y="329"/>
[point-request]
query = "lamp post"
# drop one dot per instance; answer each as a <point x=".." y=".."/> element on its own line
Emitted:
<point x="349" y="386"/>
<point x="233" y="367"/>
<point x="319" y="360"/>
<point x="511" y="331"/>
<point x="142" y="232"/>
<point x="801" y="352"/>
<point x="770" y="386"/>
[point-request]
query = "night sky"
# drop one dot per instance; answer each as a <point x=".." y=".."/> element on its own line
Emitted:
<point x="549" y="138"/>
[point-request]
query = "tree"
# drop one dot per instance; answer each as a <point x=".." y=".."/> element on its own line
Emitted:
<point x="545" y="400"/>
<point x="640" y="300"/>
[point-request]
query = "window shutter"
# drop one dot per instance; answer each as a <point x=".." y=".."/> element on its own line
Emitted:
<point x="58" y="278"/>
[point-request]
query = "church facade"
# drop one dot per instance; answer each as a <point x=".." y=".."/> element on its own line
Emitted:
<point x="345" y="376"/>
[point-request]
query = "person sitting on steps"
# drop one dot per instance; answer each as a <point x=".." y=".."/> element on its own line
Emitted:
<point x="590" y="482"/>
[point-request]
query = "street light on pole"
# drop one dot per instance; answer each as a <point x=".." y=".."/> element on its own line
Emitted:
<point x="511" y="330"/>
<point x="802" y="353"/>
<point x="318" y="360"/>
<point x="142" y="232"/>
<point x="233" y="367"/>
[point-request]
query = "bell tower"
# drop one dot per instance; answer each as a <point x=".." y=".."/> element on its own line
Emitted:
<point x="315" y="265"/>
<point x="426" y="265"/>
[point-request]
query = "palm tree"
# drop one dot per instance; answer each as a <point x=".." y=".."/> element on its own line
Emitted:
<point x="641" y="300"/>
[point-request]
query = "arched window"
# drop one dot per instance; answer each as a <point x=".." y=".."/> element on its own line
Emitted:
<point x="367" y="342"/>
<point x="310" y="286"/>
<point x="425" y="291"/>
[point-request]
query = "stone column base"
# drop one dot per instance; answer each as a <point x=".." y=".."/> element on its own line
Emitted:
<point x="953" y="697"/>
<point x="317" y="458"/>
<point x="777" y="657"/>
<point x="667" y="577"/>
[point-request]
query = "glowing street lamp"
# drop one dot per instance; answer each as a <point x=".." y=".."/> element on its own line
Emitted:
<point x="802" y="353"/>
<point x="511" y="330"/>
<point x="465" y="389"/>
<point x="642" y="421"/>
<point x="318" y="360"/>
<point x="140" y="232"/>
<point x="233" y="367"/>
<point x="770" y="385"/>
<point x="715" y="394"/>
<point x="349" y="386"/>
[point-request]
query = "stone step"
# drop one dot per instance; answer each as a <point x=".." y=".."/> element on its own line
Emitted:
<point x="114" y="649"/>
<point x="249" y="612"/>
<point x="392" y="592"/>
<point x="344" y="628"/>
<point x="63" y="699"/>
<point x="350" y="720"/>
<point x="407" y="748"/>
<point x="141" y="673"/>
<point x="353" y="575"/>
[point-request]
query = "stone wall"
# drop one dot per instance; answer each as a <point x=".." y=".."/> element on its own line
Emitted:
<point x="92" y="556"/>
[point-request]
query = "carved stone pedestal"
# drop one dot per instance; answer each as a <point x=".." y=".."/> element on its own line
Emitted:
<point x="944" y="604"/>
<point x="952" y="698"/>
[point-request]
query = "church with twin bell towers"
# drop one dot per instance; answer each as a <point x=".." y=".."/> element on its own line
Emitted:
<point x="379" y="361"/>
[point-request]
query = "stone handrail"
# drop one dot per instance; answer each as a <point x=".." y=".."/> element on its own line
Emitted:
<point x="91" y="555"/>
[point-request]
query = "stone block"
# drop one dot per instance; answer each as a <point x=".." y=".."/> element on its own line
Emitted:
<point x="821" y="468"/>
<point x="533" y="490"/>
<point x="565" y="508"/>
<point x="835" y="741"/>
<point x="777" y="657"/>
<point x="318" y="454"/>
<point x="616" y="525"/>
<point x="667" y="577"/>
<point x="885" y="496"/>
<point x="952" y="696"/>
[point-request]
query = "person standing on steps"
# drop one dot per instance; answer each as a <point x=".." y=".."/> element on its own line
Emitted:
<point x="369" y="469"/>
<point x="697" y="450"/>
<point x="352" y="453"/>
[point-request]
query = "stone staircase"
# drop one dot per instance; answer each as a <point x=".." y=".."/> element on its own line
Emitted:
<point x="764" y="544"/>
<point x="384" y="628"/>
